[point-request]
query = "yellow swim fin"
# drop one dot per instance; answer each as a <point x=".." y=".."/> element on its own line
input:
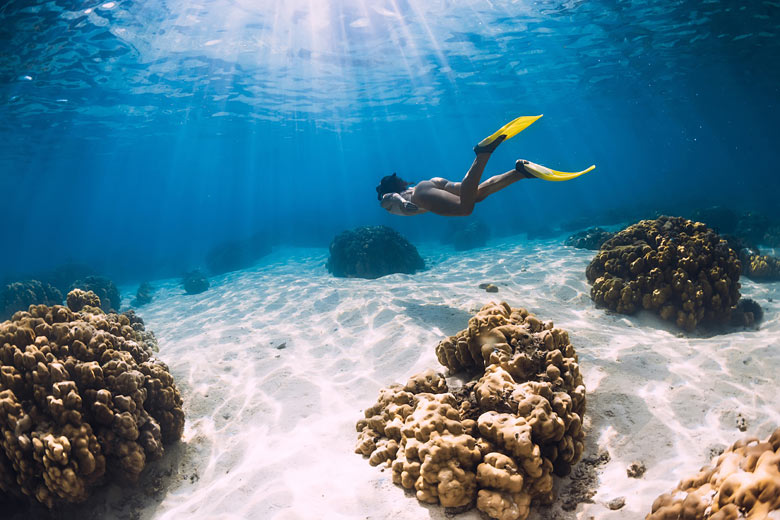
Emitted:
<point x="545" y="173"/>
<point x="504" y="133"/>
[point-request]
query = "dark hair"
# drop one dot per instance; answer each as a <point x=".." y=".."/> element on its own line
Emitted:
<point x="391" y="184"/>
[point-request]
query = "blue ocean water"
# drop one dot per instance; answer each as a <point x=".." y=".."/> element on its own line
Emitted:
<point x="134" y="136"/>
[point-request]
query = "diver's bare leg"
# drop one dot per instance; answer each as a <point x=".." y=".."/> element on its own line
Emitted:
<point x="499" y="182"/>
<point x="429" y="196"/>
<point x="486" y="188"/>
<point x="470" y="183"/>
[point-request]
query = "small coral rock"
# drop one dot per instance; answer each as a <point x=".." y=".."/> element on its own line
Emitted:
<point x="616" y="503"/>
<point x="679" y="269"/>
<point x="194" y="282"/>
<point x="82" y="399"/>
<point x="636" y="469"/>
<point x="742" y="482"/>
<point x="372" y="252"/>
<point x="497" y="440"/>
<point x="747" y="313"/>
<point x="144" y="294"/>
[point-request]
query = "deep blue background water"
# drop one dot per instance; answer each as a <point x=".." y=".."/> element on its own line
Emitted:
<point x="135" y="135"/>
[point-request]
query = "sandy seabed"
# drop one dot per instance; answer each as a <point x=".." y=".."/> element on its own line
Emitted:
<point x="276" y="364"/>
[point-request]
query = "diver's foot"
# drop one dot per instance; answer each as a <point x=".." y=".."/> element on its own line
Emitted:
<point x="520" y="166"/>
<point x="489" y="145"/>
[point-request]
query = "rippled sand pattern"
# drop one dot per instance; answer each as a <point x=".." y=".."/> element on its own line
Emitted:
<point x="276" y="363"/>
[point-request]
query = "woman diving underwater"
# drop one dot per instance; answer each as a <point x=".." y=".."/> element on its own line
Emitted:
<point x="454" y="199"/>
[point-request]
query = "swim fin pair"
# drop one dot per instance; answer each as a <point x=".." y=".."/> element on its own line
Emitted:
<point x="511" y="129"/>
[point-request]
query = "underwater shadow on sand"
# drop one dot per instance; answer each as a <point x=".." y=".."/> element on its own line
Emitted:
<point x="448" y="319"/>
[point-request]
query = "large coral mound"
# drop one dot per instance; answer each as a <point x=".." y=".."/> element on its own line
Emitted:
<point x="18" y="296"/>
<point x="371" y="252"/>
<point x="772" y="236"/>
<point x="83" y="400"/>
<point x="680" y="269"/>
<point x="498" y="439"/>
<point x="743" y="482"/>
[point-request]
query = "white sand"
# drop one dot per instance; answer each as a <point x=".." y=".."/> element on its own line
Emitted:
<point x="276" y="364"/>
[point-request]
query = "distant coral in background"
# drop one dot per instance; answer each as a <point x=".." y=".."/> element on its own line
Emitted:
<point x="772" y="237"/>
<point x="757" y="267"/>
<point x="103" y="287"/>
<point x="18" y="296"/>
<point x="144" y="294"/>
<point x="541" y="230"/>
<point x="194" y="282"/>
<point x="372" y="252"/>
<point x="762" y="268"/>
<point x="495" y="441"/>
<point x="591" y="238"/>
<point x="237" y="254"/>
<point x="83" y="402"/>
<point x="742" y="482"/>
<point x="742" y="247"/>
<point x="752" y="226"/>
<point x="680" y="269"/>
<point x="63" y="276"/>
<point x="720" y="218"/>
<point x="469" y="236"/>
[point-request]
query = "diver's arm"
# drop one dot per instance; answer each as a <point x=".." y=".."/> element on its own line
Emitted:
<point x="397" y="205"/>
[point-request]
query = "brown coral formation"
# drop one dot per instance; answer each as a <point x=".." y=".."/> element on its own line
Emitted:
<point x="743" y="482"/>
<point x="77" y="299"/>
<point x="495" y="441"/>
<point x="679" y="269"/>
<point x="762" y="268"/>
<point x="82" y="399"/>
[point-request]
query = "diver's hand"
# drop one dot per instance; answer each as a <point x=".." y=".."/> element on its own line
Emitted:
<point x="387" y="201"/>
<point x="396" y="204"/>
